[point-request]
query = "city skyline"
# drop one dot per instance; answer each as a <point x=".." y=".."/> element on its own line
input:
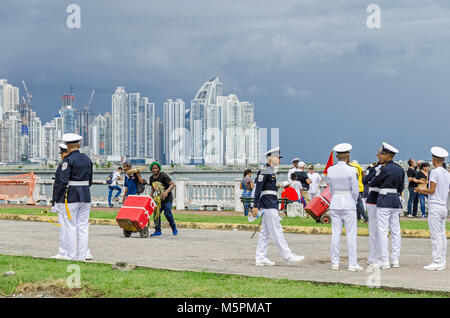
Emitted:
<point x="129" y="130"/>
<point x="314" y="69"/>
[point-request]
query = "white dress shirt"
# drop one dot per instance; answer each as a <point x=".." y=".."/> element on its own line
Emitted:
<point x="315" y="182"/>
<point x="344" y="186"/>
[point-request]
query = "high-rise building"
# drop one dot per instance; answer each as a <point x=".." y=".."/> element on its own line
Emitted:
<point x="144" y="126"/>
<point x="9" y="97"/>
<point x="120" y="131"/>
<point x="108" y="133"/>
<point x="206" y="121"/>
<point x="34" y="136"/>
<point x="159" y="141"/>
<point x="49" y="141"/>
<point x="85" y="118"/>
<point x="175" y="134"/>
<point x="10" y="128"/>
<point x="99" y="135"/>
<point x="67" y="114"/>
<point x="134" y="100"/>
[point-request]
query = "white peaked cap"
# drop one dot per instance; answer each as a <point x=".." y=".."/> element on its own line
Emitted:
<point x="344" y="147"/>
<point x="387" y="148"/>
<point x="285" y="184"/>
<point x="295" y="159"/>
<point x="439" y="152"/>
<point x="275" y="152"/>
<point x="69" y="138"/>
<point x="62" y="146"/>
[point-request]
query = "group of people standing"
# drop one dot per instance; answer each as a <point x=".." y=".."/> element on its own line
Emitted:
<point x="418" y="175"/>
<point x="385" y="182"/>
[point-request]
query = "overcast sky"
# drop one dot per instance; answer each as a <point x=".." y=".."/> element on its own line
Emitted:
<point x="312" y="67"/>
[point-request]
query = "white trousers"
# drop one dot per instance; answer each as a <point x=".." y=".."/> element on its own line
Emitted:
<point x="374" y="245"/>
<point x="62" y="220"/>
<point x="77" y="233"/>
<point x="271" y="228"/>
<point x="347" y="218"/>
<point x="389" y="220"/>
<point x="437" y="215"/>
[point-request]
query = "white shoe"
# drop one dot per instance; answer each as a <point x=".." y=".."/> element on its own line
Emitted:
<point x="409" y="216"/>
<point x="89" y="256"/>
<point x="355" y="268"/>
<point x="434" y="267"/>
<point x="264" y="262"/>
<point x="335" y="267"/>
<point x="395" y="264"/>
<point x="373" y="265"/>
<point x="59" y="256"/>
<point x="384" y="265"/>
<point x="296" y="258"/>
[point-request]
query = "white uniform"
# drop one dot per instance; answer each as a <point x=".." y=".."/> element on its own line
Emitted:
<point x="314" y="187"/>
<point x="62" y="220"/>
<point x="437" y="214"/>
<point x="344" y="188"/>
<point x="271" y="227"/>
<point x="78" y="230"/>
<point x="291" y="171"/>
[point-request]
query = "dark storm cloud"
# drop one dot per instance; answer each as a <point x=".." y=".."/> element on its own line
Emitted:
<point x="315" y="62"/>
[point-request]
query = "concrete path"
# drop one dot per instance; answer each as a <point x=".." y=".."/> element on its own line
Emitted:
<point x="230" y="252"/>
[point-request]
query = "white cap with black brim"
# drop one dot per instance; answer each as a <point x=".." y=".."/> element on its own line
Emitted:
<point x="439" y="152"/>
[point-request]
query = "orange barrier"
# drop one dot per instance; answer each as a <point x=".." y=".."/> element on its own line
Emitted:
<point x="18" y="186"/>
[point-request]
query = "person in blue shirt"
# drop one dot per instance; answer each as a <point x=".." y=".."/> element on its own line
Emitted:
<point x="131" y="179"/>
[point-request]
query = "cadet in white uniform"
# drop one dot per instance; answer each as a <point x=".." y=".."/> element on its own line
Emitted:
<point x="266" y="199"/>
<point x="390" y="180"/>
<point x="371" y="204"/>
<point x="437" y="209"/>
<point x="316" y="179"/>
<point x="295" y="168"/>
<point x="344" y="188"/>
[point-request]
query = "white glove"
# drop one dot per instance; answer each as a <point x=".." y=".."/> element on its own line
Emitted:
<point x="54" y="209"/>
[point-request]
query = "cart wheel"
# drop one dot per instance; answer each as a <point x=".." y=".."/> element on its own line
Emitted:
<point x="325" y="219"/>
<point x="144" y="232"/>
<point x="126" y="233"/>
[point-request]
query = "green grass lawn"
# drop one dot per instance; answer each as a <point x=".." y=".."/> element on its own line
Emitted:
<point x="234" y="219"/>
<point x="100" y="280"/>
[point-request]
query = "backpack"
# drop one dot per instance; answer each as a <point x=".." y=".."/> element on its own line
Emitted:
<point x="109" y="179"/>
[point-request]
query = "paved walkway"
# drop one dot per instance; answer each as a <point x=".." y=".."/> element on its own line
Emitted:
<point x="230" y="252"/>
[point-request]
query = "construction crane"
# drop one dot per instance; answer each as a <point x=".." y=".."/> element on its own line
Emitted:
<point x="92" y="96"/>
<point x="28" y="94"/>
<point x="24" y="110"/>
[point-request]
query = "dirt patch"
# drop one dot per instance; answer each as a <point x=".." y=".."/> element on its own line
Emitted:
<point x="52" y="289"/>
